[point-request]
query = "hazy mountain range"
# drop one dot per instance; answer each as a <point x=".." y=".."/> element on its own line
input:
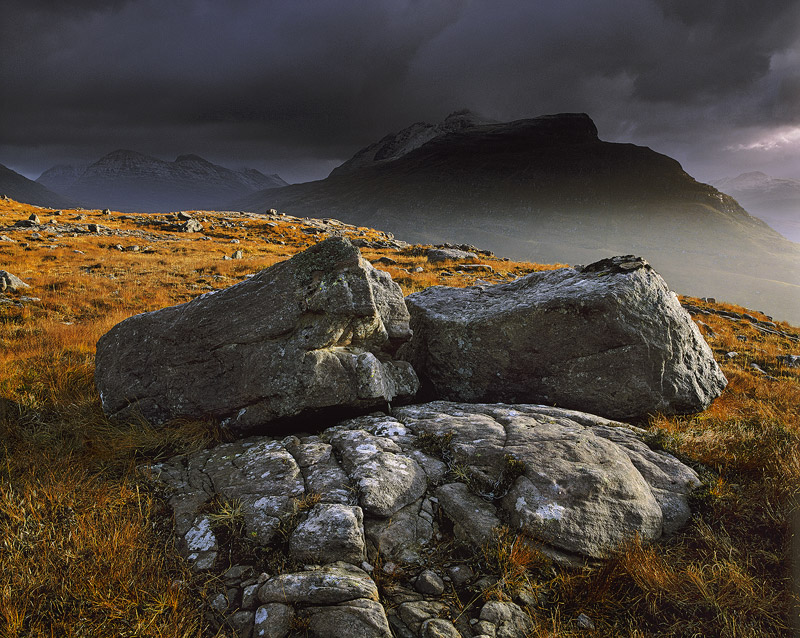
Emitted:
<point x="547" y="189"/>
<point x="130" y="181"/>
<point x="776" y="200"/>
<point x="22" y="189"/>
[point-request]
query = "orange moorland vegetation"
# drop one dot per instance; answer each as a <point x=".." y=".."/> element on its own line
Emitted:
<point x="85" y="544"/>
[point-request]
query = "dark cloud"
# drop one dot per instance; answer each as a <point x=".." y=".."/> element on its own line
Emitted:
<point x="297" y="86"/>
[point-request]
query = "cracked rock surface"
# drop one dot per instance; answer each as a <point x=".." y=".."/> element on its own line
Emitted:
<point x="382" y="492"/>
<point x="609" y="338"/>
<point x="313" y="333"/>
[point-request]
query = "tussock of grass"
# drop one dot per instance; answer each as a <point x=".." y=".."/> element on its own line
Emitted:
<point x="85" y="548"/>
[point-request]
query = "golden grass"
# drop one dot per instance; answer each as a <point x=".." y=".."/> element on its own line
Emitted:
<point x="85" y="548"/>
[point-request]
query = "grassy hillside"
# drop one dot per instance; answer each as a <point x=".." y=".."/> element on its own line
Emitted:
<point x="85" y="545"/>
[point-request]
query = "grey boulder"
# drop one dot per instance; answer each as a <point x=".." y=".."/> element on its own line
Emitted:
<point x="609" y="338"/>
<point x="11" y="282"/>
<point x="576" y="482"/>
<point x="313" y="333"/>
<point x="332" y="532"/>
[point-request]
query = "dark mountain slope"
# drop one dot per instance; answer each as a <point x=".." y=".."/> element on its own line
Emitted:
<point x="548" y="189"/>
<point x="22" y="189"/>
<point x="131" y="181"/>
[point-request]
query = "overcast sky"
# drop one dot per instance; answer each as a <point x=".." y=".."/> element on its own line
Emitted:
<point x="297" y="86"/>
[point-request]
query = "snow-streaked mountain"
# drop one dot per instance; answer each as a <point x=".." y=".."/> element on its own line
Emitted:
<point x="130" y="181"/>
<point x="22" y="189"/>
<point x="395" y="145"/>
<point x="776" y="200"/>
<point x="548" y="189"/>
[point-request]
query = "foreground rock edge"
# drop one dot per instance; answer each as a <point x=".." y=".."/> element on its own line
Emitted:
<point x="531" y="469"/>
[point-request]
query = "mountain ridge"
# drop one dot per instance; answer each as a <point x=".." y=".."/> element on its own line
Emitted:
<point x="22" y="189"/>
<point x="130" y="180"/>
<point x="549" y="189"/>
<point x="776" y="200"/>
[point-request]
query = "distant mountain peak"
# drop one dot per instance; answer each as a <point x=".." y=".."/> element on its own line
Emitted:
<point x="758" y="174"/>
<point x="465" y="117"/>
<point x="20" y="188"/>
<point x="569" y="125"/>
<point x="560" y="127"/>
<point x="128" y="180"/>
<point x="124" y="153"/>
<point x="191" y="157"/>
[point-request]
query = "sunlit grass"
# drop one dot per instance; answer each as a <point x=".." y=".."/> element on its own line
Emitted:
<point x="85" y="548"/>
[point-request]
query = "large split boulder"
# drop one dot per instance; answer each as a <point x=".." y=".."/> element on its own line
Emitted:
<point x="609" y="338"/>
<point x="316" y="332"/>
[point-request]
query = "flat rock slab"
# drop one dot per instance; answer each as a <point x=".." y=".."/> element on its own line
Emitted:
<point x="573" y="481"/>
<point x="609" y="338"/>
<point x="388" y="488"/>
<point x="313" y="333"/>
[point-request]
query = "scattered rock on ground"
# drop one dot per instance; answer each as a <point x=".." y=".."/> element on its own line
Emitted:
<point x="191" y="226"/>
<point x="437" y="255"/>
<point x="548" y="473"/>
<point x="11" y="282"/>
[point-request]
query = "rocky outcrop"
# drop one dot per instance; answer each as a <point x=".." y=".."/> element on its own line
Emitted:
<point x="9" y="281"/>
<point x="313" y="333"/>
<point x="379" y="490"/>
<point x="609" y="338"/>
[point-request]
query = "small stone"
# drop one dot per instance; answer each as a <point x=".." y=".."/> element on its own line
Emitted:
<point x="509" y="619"/>
<point x="106" y="211"/>
<point x="236" y="573"/>
<point x="731" y="355"/>
<point x="414" y="614"/>
<point x="429" y="582"/>
<point x="439" y="628"/>
<point x="584" y="622"/>
<point x="234" y="597"/>
<point x="460" y="575"/>
<point x="484" y="583"/>
<point x="242" y="623"/>
<point x="219" y="603"/>
<point x="272" y="621"/>
<point x="237" y="255"/>
<point x="332" y="584"/>
<point x="331" y="532"/>
<point x="191" y="226"/>
<point x="526" y="598"/>
<point x="34" y="218"/>
<point x="250" y="597"/>
<point x="483" y="628"/>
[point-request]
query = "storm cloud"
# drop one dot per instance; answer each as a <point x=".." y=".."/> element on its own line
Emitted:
<point x="296" y="87"/>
